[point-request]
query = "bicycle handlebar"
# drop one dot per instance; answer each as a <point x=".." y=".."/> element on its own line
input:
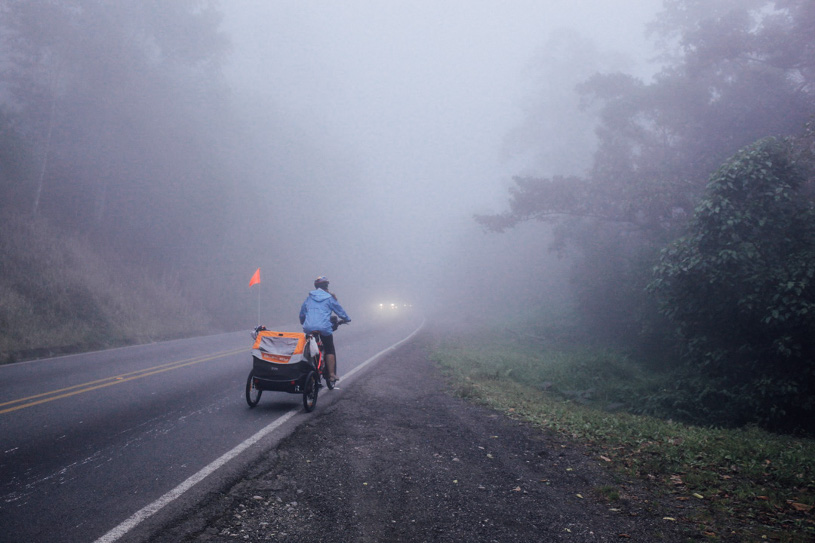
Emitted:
<point x="336" y="322"/>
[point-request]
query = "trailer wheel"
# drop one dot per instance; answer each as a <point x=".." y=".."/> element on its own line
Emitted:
<point x="310" y="391"/>
<point x="252" y="392"/>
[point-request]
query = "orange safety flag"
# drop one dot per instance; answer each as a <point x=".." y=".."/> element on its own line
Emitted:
<point x="255" y="278"/>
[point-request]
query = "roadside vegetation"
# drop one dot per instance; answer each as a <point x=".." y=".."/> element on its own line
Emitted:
<point x="740" y="484"/>
<point x="691" y="238"/>
<point x="59" y="295"/>
<point x="118" y="214"/>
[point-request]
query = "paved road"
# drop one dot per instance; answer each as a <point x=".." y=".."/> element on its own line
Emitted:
<point x="89" y="440"/>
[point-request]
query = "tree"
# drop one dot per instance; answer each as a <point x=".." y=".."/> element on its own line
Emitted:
<point x="735" y="71"/>
<point x="556" y="133"/>
<point x="740" y="288"/>
<point x="16" y="168"/>
<point x="123" y="105"/>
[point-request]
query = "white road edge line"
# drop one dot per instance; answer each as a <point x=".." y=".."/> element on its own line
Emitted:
<point x="139" y="516"/>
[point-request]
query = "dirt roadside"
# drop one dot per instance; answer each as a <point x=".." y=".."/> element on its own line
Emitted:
<point x="397" y="458"/>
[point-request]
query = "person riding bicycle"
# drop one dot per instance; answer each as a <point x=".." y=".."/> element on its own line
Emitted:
<point x="315" y="316"/>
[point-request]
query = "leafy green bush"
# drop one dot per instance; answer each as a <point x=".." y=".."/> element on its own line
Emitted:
<point x="741" y="290"/>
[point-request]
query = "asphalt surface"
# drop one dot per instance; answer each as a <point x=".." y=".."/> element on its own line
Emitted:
<point x="93" y="441"/>
<point x="397" y="458"/>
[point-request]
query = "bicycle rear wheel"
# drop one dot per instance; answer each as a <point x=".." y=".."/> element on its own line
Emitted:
<point x="310" y="391"/>
<point x="328" y="382"/>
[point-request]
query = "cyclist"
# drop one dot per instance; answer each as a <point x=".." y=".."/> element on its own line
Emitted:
<point x="315" y="316"/>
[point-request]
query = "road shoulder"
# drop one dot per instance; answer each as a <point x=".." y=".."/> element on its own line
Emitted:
<point x="397" y="458"/>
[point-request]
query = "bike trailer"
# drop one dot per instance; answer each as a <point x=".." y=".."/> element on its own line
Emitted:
<point x="281" y="361"/>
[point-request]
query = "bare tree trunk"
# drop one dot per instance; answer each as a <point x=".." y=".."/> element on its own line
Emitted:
<point x="47" y="151"/>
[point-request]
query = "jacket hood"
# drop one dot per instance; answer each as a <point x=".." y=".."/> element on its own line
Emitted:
<point x="319" y="294"/>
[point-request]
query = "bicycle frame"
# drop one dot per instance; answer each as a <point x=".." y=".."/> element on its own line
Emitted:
<point x="319" y="363"/>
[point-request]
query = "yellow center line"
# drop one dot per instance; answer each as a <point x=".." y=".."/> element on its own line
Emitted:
<point x="45" y="397"/>
<point x="115" y="377"/>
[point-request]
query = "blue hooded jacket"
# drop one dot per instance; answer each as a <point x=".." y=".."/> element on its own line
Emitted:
<point x="315" y="313"/>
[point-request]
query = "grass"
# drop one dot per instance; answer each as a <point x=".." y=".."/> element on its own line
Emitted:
<point x="745" y="484"/>
<point x="59" y="295"/>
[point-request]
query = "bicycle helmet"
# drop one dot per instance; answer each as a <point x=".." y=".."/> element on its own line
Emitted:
<point x="321" y="282"/>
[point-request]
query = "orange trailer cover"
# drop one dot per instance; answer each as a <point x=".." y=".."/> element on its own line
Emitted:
<point x="279" y="347"/>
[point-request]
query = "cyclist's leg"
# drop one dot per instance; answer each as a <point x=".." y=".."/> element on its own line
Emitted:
<point x="331" y="363"/>
<point x="330" y="356"/>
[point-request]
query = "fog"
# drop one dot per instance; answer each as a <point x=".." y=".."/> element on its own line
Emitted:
<point x="193" y="142"/>
<point x="375" y="130"/>
<point x="541" y="164"/>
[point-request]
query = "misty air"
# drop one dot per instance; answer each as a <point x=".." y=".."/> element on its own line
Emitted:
<point x="503" y="244"/>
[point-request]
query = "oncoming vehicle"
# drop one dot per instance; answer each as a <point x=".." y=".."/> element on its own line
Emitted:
<point x="290" y="362"/>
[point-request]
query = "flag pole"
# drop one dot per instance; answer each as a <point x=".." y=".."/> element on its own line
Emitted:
<point x="259" y="305"/>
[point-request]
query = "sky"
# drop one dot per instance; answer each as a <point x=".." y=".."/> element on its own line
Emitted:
<point x="397" y="117"/>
